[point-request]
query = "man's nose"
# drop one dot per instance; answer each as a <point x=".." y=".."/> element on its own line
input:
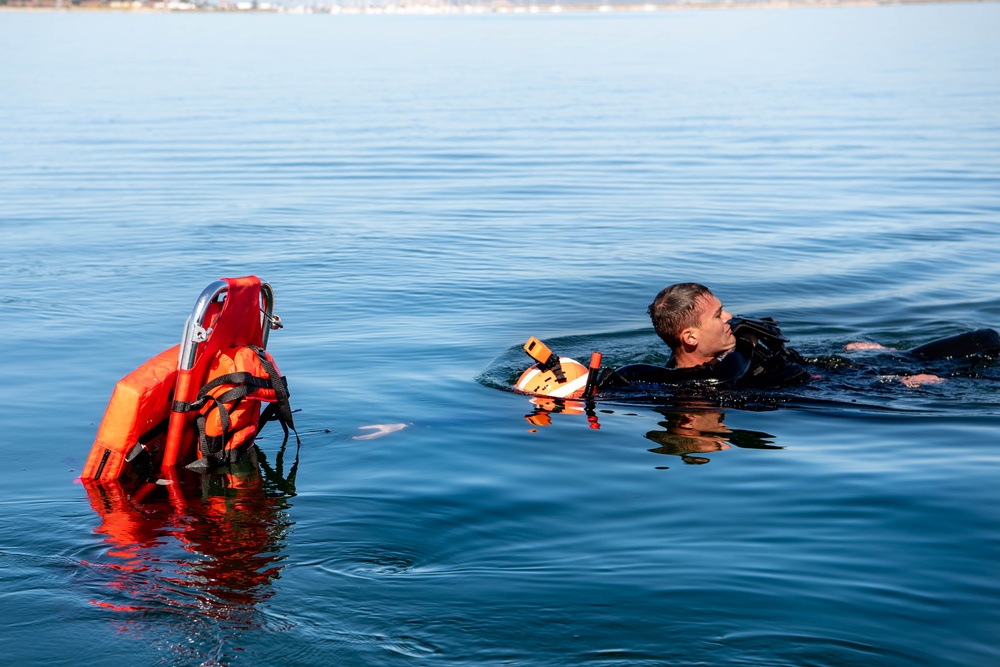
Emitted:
<point x="726" y="316"/>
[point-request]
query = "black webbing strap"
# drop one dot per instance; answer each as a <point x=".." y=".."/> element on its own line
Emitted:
<point x="281" y="409"/>
<point x="214" y="447"/>
<point x="280" y="386"/>
<point x="241" y="378"/>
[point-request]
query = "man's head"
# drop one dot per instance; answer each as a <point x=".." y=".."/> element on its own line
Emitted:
<point x="690" y="319"/>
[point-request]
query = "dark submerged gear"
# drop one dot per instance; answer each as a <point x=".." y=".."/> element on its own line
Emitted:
<point x="772" y="364"/>
<point x="981" y="342"/>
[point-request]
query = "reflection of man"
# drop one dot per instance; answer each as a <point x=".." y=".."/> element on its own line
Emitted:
<point x="688" y="433"/>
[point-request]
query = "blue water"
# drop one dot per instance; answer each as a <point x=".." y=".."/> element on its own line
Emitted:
<point x="424" y="193"/>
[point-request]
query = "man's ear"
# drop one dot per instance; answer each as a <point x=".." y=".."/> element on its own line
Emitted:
<point x="689" y="337"/>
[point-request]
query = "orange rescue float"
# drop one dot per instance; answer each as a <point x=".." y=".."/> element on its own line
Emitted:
<point x="163" y="414"/>
<point x="557" y="377"/>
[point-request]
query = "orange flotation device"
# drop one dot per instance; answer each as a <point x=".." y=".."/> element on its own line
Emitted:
<point x="137" y="415"/>
<point x="566" y="379"/>
<point x="559" y="385"/>
<point x="163" y="415"/>
<point x="557" y="377"/>
<point x="229" y="404"/>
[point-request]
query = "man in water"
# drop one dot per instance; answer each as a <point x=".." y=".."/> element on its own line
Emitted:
<point x="692" y="322"/>
<point x="712" y="348"/>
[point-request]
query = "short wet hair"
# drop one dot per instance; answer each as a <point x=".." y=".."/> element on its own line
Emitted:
<point x="675" y="309"/>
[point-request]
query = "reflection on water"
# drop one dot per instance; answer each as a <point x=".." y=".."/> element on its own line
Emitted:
<point x="699" y="431"/>
<point x="694" y="426"/>
<point x="195" y="546"/>
<point x="543" y="408"/>
<point x="833" y="168"/>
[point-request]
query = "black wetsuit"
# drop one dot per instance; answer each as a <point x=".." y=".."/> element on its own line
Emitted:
<point x="981" y="342"/>
<point x="767" y="363"/>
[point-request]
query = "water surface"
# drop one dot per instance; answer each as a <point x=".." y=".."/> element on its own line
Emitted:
<point x="424" y="193"/>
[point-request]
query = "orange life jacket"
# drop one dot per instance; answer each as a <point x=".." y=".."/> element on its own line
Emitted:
<point x="229" y="404"/>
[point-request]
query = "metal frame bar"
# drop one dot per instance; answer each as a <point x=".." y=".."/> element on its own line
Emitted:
<point x="194" y="329"/>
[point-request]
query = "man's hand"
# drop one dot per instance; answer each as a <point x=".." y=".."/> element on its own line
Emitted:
<point x="862" y="345"/>
<point x="920" y="379"/>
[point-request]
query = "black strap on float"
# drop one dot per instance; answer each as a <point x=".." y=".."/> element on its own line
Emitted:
<point x="240" y="379"/>
<point x="547" y="360"/>
<point x="245" y="383"/>
<point x="280" y="409"/>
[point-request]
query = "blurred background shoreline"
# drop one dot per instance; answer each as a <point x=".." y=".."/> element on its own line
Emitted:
<point x="444" y="6"/>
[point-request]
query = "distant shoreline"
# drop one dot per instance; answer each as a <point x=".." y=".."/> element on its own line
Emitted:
<point x="430" y="7"/>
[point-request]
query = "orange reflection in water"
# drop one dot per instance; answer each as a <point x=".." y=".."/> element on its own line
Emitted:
<point x="688" y="428"/>
<point x="700" y="429"/>
<point x="198" y="546"/>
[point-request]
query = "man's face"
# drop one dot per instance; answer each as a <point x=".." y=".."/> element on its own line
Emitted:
<point x="714" y="334"/>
